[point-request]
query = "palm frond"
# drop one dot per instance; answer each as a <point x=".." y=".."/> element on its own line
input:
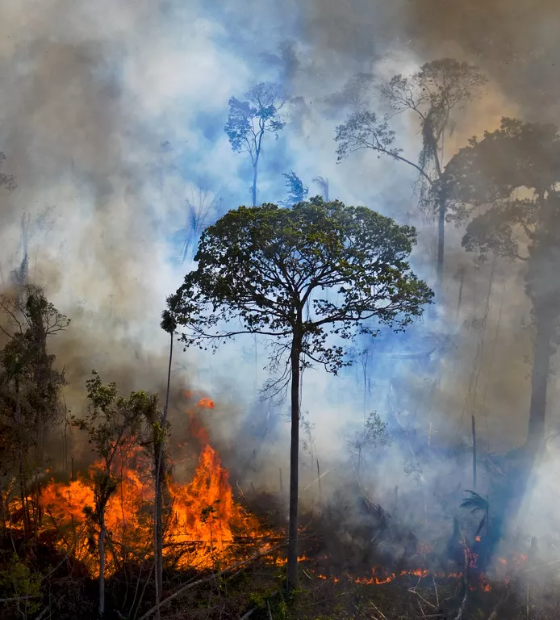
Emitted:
<point x="474" y="502"/>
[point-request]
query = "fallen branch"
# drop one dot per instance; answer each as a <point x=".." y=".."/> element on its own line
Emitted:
<point x="191" y="585"/>
<point x="19" y="598"/>
<point x="45" y="611"/>
<point x="378" y="610"/>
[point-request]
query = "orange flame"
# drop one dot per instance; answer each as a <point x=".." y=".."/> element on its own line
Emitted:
<point x="204" y="522"/>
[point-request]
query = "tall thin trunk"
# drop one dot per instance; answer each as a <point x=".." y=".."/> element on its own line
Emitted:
<point x="539" y="384"/>
<point x="101" y="547"/>
<point x="474" y="452"/>
<point x="294" y="463"/>
<point x="158" y="520"/>
<point x="159" y="441"/>
<point x="21" y="458"/>
<point x="441" y="244"/>
<point x="254" y="188"/>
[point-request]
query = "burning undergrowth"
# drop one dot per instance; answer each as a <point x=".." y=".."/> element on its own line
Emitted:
<point x="204" y="523"/>
<point x="347" y="540"/>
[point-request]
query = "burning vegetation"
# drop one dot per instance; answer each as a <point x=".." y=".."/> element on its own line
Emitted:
<point x="127" y="510"/>
<point x="92" y="534"/>
<point x="209" y="531"/>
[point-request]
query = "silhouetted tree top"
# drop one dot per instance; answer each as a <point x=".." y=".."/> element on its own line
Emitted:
<point x="432" y="93"/>
<point x="250" y="120"/>
<point x="297" y="192"/>
<point x="256" y="114"/>
<point x="517" y="155"/>
<point x="509" y="180"/>
<point x="319" y="269"/>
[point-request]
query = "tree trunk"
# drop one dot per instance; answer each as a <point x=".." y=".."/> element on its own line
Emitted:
<point x="441" y="244"/>
<point x="21" y="458"/>
<point x="159" y="440"/>
<point x="158" y="521"/>
<point x="294" y="464"/>
<point x="101" y="547"/>
<point x="254" y="188"/>
<point x="473" y="452"/>
<point x="539" y="382"/>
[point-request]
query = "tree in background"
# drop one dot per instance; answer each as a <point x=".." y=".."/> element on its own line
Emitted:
<point x="250" y="120"/>
<point x="323" y="184"/>
<point x="431" y="95"/>
<point x="270" y="270"/>
<point x="29" y="386"/>
<point x="113" y="424"/>
<point x="200" y="209"/>
<point x="297" y="192"/>
<point x="508" y="181"/>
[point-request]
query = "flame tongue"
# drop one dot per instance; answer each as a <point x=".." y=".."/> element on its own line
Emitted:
<point x="204" y="510"/>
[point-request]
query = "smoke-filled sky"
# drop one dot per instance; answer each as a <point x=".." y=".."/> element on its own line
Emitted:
<point x="111" y="118"/>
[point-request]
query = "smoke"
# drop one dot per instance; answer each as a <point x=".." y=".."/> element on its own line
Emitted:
<point x="111" y="117"/>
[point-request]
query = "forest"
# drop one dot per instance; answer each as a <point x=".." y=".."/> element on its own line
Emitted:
<point x="279" y="330"/>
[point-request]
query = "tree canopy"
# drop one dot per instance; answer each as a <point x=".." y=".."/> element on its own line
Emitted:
<point x="263" y="266"/>
<point x="312" y="277"/>
<point x="507" y="182"/>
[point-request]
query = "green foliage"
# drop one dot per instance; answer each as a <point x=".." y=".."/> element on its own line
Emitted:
<point x="112" y="420"/>
<point x="30" y="385"/>
<point x="168" y="322"/>
<point x="256" y="599"/>
<point x="263" y="266"/>
<point x="30" y="320"/>
<point x="18" y="581"/>
<point x="373" y="434"/>
<point x="112" y="423"/>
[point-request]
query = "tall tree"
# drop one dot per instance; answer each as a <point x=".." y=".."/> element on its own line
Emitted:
<point x="508" y="181"/>
<point x="250" y="120"/>
<point x="113" y="424"/>
<point x="159" y="427"/>
<point x="269" y="270"/>
<point x="431" y="95"/>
